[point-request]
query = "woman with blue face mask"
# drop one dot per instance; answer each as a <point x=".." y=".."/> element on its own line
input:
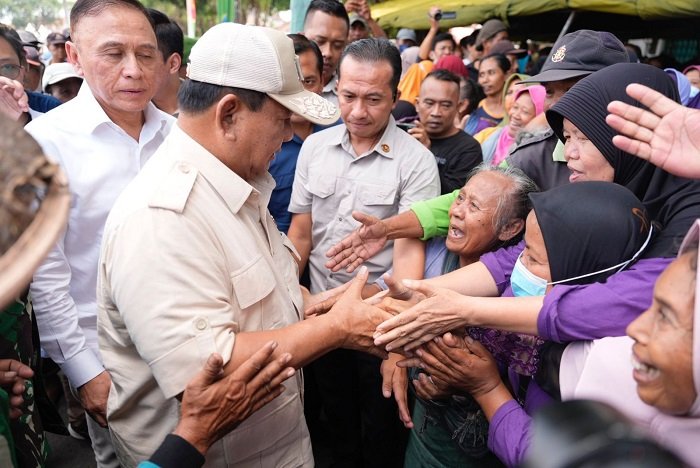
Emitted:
<point x="606" y="232"/>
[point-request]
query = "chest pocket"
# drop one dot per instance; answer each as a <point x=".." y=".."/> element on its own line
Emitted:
<point x="252" y="282"/>
<point x="380" y="200"/>
<point x="323" y="204"/>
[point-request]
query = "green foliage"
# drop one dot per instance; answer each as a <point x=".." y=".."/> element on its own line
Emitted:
<point x="36" y="12"/>
<point x="206" y="10"/>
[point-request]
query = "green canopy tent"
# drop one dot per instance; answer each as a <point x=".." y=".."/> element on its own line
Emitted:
<point x="545" y="18"/>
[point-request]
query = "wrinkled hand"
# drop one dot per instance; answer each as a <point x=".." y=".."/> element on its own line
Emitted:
<point x="212" y="405"/>
<point x="462" y="364"/>
<point x="397" y="298"/>
<point x="667" y="135"/>
<point x="316" y="304"/>
<point x="440" y="312"/>
<point x="420" y="133"/>
<point x="12" y="378"/>
<point x="93" y="397"/>
<point x="361" y="244"/>
<point x="356" y="319"/>
<point x="395" y="380"/>
<point x="13" y="99"/>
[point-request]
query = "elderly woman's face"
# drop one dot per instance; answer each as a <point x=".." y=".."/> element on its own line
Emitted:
<point x="663" y="335"/>
<point x="583" y="159"/>
<point x="472" y="231"/>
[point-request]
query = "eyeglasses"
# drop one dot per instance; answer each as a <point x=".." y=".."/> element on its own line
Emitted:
<point x="10" y="70"/>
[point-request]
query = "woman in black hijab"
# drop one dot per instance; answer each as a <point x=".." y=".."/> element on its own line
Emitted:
<point x="603" y="233"/>
<point x="593" y="238"/>
<point x="672" y="201"/>
<point x="567" y="313"/>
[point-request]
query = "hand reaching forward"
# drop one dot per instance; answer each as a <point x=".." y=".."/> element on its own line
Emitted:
<point x="397" y="298"/>
<point x="667" y="135"/>
<point x="356" y="319"/>
<point x="212" y="405"/>
<point x="439" y="313"/>
<point x="316" y="304"/>
<point x="361" y="244"/>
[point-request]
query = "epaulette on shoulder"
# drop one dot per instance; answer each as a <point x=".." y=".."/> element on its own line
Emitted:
<point x="175" y="188"/>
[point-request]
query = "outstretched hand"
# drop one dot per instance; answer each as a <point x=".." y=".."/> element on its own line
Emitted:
<point x="440" y="312"/>
<point x="358" y="246"/>
<point x="356" y="319"/>
<point x="667" y="135"/>
<point x="397" y="298"/>
<point x="213" y="405"/>
<point x="316" y="304"/>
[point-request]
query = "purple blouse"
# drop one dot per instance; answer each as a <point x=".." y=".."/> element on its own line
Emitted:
<point x="586" y="312"/>
<point x="569" y="313"/>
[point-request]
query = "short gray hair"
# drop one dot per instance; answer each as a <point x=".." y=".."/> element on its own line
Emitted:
<point x="512" y="204"/>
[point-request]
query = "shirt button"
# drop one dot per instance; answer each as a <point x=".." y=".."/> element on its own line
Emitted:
<point x="184" y="168"/>
<point x="340" y="218"/>
<point x="201" y="324"/>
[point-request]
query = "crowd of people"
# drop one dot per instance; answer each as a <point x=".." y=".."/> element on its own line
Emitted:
<point x="403" y="251"/>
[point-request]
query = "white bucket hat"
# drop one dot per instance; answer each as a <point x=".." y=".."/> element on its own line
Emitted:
<point x="56" y="72"/>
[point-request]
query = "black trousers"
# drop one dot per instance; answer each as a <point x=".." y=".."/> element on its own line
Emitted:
<point x="364" y="429"/>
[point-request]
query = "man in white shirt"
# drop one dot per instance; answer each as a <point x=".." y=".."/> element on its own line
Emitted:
<point x="101" y="139"/>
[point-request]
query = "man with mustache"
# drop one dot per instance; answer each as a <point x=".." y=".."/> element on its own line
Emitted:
<point x="456" y="152"/>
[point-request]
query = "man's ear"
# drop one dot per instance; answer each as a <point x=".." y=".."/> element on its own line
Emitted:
<point x="431" y="55"/>
<point x="228" y="110"/>
<point x="74" y="57"/>
<point x="511" y="229"/>
<point x="174" y="63"/>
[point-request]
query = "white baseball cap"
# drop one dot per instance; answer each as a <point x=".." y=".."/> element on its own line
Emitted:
<point x="56" y="72"/>
<point x="260" y="59"/>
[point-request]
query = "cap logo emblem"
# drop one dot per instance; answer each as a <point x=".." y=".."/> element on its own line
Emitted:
<point x="559" y="55"/>
<point x="315" y="107"/>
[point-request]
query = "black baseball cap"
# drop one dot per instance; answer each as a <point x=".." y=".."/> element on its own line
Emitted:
<point x="580" y="53"/>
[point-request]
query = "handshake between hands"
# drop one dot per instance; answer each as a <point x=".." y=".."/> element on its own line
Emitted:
<point x="404" y="325"/>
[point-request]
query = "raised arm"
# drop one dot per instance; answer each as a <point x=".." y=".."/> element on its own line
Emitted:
<point x="369" y="239"/>
<point x="425" y="220"/>
<point x="667" y="135"/>
<point x="427" y="45"/>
